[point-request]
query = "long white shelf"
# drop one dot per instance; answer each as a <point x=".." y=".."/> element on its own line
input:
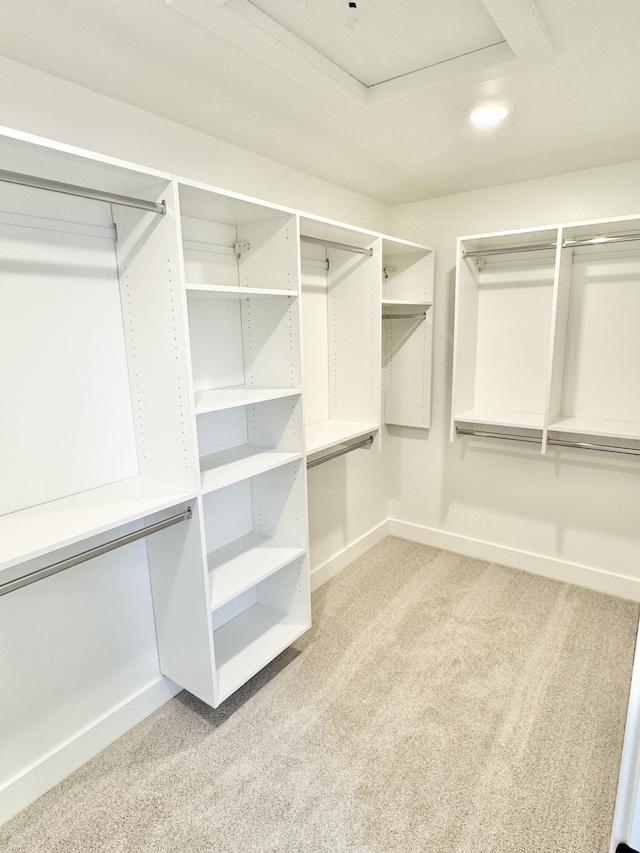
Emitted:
<point x="325" y="434"/>
<point x="597" y="426"/>
<point x="239" y="463"/>
<point x="216" y="399"/>
<point x="38" y="530"/>
<point x="494" y="417"/>
<point x="223" y="291"/>
<point x="244" y="562"/>
<point x="246" y="644"/>
<point x="406" y="303"/>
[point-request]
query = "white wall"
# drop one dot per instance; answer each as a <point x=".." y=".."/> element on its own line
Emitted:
<point x="83" y="668"/>
<point x="559" y="519"/>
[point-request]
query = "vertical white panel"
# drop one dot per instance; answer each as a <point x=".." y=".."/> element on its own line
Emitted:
<point x="155" y="330"/>
<point x="215" y="332"/>
<point x="406" y="351"/>
<point x="271" y="261"/>
<point x="315" y="343"/>
<point x="562" y="297"/>
<point x="271" y="341"/>
<point x="354" y="335"/>
<point x="63" y="372"/>
<point x="180" y="586"/>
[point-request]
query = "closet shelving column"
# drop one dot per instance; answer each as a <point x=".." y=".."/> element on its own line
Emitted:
<point x="91" y="331"/>
<point x="504" y="309"/>
<point x="241" y="261"/>
<point x="407" y="332"/>
<point x="341" y="274"/>
<point x="592" y="393"/>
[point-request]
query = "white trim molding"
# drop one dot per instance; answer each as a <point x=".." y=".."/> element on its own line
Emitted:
<point x="35" y="780"/>
<point x="538" y="564"/>
<point x="330" y="568"/>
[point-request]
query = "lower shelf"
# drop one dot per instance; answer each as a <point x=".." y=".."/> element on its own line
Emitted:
<point x="245" y="562"/>
<point x="249" y="642"/>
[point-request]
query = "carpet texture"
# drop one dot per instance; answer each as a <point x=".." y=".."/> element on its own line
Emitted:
<point x="440" y="704"/>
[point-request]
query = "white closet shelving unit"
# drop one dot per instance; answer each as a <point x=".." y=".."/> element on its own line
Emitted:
<point x="341" y="272"/>
<point x="95" y="442"/>
<point x="407" y="332"/>
<point x="249" y="598"/>
<point x="545" y="334"/>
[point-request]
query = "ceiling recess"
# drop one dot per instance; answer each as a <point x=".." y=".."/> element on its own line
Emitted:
<point x="373" y="50"/>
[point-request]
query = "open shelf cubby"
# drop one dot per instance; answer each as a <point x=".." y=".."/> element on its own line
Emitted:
<point x="255" y="533"/>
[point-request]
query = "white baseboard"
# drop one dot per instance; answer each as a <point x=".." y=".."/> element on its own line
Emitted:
<point x="332" y="567"/>
<point x="550" y="567"/>
<point x="38" y="778"/>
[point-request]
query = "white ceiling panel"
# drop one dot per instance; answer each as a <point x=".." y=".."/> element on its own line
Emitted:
<point x="379" y="40"/>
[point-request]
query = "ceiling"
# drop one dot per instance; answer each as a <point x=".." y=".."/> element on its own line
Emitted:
<point x="374" y="98"/>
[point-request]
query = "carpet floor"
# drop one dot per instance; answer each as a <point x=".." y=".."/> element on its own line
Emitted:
<point x="440" y="704"/>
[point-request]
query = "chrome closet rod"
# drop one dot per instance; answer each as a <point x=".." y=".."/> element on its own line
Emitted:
<point x="480" y="433"/>
<point x="61" y="565"/>
<point x="340" y="452"/>
<point x="558" y="442"/>
<point x="566" y="244"/>
<point x="317" y="241"/>
<point x="404" y="316"/>
<point x="83" y="192"/>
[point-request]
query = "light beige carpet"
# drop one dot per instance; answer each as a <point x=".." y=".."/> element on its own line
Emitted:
<point x="439" y="704"/>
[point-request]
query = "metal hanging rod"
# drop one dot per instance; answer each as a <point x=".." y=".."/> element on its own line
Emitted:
<point x="83" y="192"/>
<point x="60" y="566"/>
<point x="508" y="250"/>
<point x="598" y="241"/>
<point x="609" y="448"/>
<point x="480" y="433"/>
<point x="566" y="244"/>
<point x="410" y="316"/>
<point x="330" y="244"/>
<point x="557" y="442"/>
<point x="340" y="452"/>
<point x="315" y="264"/>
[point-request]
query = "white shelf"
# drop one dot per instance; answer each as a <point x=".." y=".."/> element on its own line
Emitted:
<point x="249" y="642"/>
<point x="597" y="426"/>
<point x="406" y="303"/>
<point x="217" y="399"/>
<point x="239" y="463"/>
<point x="220" y="291"/>
<point x="38" y="530"/>
<point x="521" y="420"/>
<point x="243" y="563"/>
<point x="325" y="434"/>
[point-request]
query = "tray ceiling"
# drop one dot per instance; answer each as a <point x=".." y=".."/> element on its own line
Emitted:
<point x="371" y="49"/>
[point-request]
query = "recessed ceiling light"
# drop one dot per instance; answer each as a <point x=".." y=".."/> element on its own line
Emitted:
<point x="490" y="115"/>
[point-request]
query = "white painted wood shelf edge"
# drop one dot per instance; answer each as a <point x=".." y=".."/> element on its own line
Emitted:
<point x="246" y="644"/>
<point x="220" y="291"/>
<point x="325" y="434"/>
<point x="38" y="530"/>
<point x="217" y="399"/>
<point x="597" y="427"/>
<point x="243" y="563"/>
<point x="240" y="463"/>
<point x="520" y="420"/>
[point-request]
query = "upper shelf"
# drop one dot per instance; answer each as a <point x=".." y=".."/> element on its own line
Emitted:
<point x="32" y="532"/>
<point x="325" y="434"/>
<point x="219" y="291"/>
